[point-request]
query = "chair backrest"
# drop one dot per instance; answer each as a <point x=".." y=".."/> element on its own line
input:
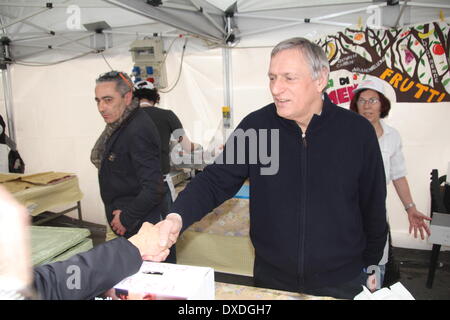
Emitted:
<point x="446" y="195"/>
<point x="437" y="197"/>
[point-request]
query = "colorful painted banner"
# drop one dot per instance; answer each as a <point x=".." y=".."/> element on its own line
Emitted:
<point x="413" y="60"/>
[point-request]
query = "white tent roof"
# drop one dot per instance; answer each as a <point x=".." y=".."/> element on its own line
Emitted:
<point x="37" y="27"/>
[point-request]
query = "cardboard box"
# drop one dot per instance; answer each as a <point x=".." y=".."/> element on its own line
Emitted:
<point x="440" y="229"/>
<point x="166" y="281"/>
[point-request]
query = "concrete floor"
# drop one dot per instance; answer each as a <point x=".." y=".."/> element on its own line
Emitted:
<point x="413" y="265"/>
<point x="414" y="272"/>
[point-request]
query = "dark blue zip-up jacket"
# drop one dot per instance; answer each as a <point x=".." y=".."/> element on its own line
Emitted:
<point x="322" y="217"/>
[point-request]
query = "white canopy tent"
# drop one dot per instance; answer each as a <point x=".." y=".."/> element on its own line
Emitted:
<point x="51" y="66"/>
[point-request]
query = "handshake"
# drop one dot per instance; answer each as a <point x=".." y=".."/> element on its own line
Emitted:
<point x="154" y="241"/>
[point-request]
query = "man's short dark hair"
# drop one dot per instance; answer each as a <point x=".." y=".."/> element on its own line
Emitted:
<point x="122" y="80"/>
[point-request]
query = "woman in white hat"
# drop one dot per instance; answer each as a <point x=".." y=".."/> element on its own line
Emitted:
<point x="369" y="101"/>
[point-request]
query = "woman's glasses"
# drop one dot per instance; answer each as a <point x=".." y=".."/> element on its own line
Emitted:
<point x="361" y="102"/>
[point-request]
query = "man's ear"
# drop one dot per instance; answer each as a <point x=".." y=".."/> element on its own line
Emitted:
<point x="128" y="97"/>
<point x="322" y="80"/>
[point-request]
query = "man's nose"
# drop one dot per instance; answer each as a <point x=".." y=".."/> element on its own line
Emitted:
<point x="277" y="86"/>
<point x="101" y="106"/>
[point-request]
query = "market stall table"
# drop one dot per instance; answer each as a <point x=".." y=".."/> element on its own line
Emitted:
<point x="227" y="291"/>
<point x="38" y="193"/>
<point x="221" y="239"/>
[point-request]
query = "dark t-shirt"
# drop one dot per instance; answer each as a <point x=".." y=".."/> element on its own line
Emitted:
<point x="166" y="122"/>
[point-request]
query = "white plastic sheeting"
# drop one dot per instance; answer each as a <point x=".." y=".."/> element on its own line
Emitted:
<point x="58" y="122"/>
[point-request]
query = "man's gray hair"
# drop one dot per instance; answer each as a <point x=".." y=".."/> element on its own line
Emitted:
<point x="313" y="53"/>
<point x="122" y="80"/>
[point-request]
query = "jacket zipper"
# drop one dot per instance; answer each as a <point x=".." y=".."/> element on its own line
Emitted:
<point x="304" y="140"/>
<point x="303" y="164"/>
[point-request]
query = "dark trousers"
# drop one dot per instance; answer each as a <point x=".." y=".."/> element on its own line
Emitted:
<point x="392" y="274"/>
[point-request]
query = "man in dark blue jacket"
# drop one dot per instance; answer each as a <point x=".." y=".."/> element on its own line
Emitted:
<point x="127" y="155"/>
<point x="83" y="276"/>
<point x="90" y="274"/>
<point x="317" y="208"/>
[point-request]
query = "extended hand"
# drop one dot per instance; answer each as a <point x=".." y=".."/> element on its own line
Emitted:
<point x="147" y="241"/>
<point x="417" y="221"/>
<point x="169" y="229"/>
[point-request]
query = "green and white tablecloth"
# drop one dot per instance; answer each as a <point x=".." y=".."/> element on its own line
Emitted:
<point x="50" y="244"/>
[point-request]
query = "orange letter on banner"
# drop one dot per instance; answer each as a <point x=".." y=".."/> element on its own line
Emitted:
<point x="433" y="93"/>
<point x="396" y="79"/>
<point x="402" y="87"/>
<point x="388" y="72"/>
<point x="422" y="88"/>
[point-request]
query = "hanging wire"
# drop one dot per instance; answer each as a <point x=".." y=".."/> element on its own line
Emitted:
<point x="101" y="52"/>
<point x="168" y="50"/>
<point x="180" y="70"/>
<point x="45" y="64"/>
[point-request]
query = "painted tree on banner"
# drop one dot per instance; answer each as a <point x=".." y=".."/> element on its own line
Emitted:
<point x="413" y="60"/>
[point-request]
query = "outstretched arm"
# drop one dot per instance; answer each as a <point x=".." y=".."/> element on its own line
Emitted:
<point x="89" y="274"/>
<point x="187" y="145"/>
<point x="417" y="220"/>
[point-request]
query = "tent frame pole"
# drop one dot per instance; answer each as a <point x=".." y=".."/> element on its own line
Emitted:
<point x="58" y="47"/>
<point x="7" y="92"/>
<point x="287" y="25"/>
<point x="49" y="33"/>
<point x="402" y="10"/>
<point x="129" y="7"/>
<point x="428" y="5"/>
<point x="53" y="47"/>
<point x="24" y="18"/>
<point x="228" y="75"/>
<point x="228" y="81"/>
<point x="207" y="16"/>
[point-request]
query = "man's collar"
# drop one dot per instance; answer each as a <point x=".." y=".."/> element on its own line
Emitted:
<point x="146" y="104"/>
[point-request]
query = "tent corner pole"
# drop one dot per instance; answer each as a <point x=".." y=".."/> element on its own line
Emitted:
<point x="228" y="83"/>
<point x="6" y="81"/>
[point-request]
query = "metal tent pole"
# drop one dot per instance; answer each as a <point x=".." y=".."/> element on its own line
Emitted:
<point x="228" y="76"/>
<point x="228" y="82"/>
<point x="25" y="17"/>
<point x="429" y="5"/>
<point x="6" y="81"/>
<point x="206" y="14"/>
